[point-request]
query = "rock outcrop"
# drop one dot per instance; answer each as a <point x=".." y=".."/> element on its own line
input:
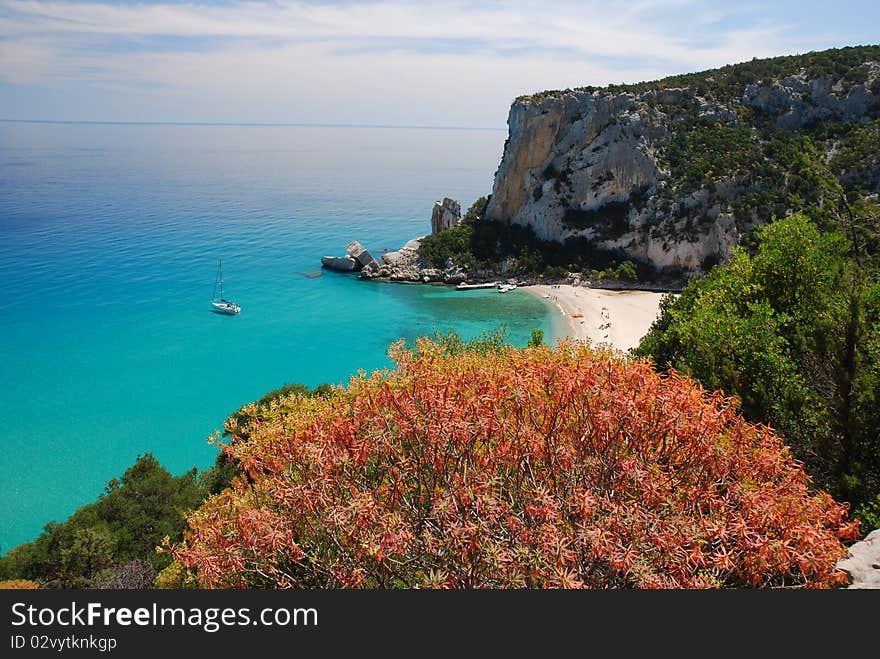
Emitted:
<point x="408" y="254"/>
<point x="405" y="265"/>
<point x="862" y="563"/>
<point x="800" y="100"/>
<point x="673" y="174"/>
<point x="596" y="164"/>
<point x="400" y="265"/>
<point x="339" y="263"/>
<point x="360" y="254"/>
<point x="357" y="258"/>
<point x="446" y="214"/>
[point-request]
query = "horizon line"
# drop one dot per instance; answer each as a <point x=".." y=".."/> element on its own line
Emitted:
<point x="266" y="124"/>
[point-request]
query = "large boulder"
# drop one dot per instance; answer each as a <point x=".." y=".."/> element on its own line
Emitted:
<point x="458" y="277"/>
<point x="405" y="275"/>
<point x="359" y="253"/>
<point x="430" y="274"/>
<point x="452" y="274"/>
<point x="401" y="265"/>
<point x="340" y="263"/>
<point x="406" y="255"/>
<point x="446" y="214"/>
<point x="862" y="562"/>
<point x="376" y="270"/>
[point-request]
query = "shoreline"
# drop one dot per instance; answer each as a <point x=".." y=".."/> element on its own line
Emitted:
<point x="614" y="317"/>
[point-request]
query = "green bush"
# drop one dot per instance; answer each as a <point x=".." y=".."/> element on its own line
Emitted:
<point x="129" y="520"/>
<point x="489" y="341"/>
<point x="626" y="271"/>
<point x="537" y="338"/>
<point x="455" y="243"/>
<point x="793" y="331"/>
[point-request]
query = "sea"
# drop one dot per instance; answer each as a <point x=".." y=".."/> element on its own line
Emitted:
<point x="110" y="239"/>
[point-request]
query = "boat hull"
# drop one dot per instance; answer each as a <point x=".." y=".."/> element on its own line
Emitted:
<point x="225" y="308"/>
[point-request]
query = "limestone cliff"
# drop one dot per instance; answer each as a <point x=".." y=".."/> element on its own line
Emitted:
<point x="674" y="173"/>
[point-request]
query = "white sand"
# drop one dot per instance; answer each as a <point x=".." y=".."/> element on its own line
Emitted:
<point x="617" y="318"/>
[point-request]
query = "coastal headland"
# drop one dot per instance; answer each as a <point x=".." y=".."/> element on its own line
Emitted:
<point x="617" y="317"/>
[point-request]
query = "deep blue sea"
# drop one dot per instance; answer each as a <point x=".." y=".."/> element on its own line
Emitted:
<point x="110" y="237"/>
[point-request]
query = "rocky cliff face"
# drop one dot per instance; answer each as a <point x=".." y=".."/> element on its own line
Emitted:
<point x="607" y="165"/>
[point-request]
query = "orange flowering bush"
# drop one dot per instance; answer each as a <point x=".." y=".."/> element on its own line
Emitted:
<point x="540" y="467"/>
<point x="19" y="584"/>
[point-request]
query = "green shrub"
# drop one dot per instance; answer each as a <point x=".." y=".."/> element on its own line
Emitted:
<point x="793" y="331"/>
<point x="537" y="338"/>
<point x="130" y="519"/>
<point x="626" y="271"/>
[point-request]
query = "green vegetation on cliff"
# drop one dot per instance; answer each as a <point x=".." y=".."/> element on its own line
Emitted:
<point x="112" y="542"/>
<point x="769" y="171"/>
<point x="729" y="82"/>
<point x="477" y="244"/>
<point x="718" y="153"/>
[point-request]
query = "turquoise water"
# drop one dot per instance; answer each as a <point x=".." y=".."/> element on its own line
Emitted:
<point x="109" y="242"/>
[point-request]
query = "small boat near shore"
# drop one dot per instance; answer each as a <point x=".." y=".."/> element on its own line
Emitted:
<point x="222" y="306"/>
<point x="469" y="287"/>
<point x="502" y="287"/>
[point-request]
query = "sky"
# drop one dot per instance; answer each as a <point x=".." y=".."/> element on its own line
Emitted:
<point x="387" y="62"/>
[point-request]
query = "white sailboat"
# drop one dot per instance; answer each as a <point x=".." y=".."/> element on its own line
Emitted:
<point x="222" y="306"/>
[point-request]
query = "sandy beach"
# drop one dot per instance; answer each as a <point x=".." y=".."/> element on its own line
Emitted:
<point x="617" y="318"/>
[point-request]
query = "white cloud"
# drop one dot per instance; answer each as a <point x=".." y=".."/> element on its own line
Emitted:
<point x="441" y="62"/>
<point x="587" y="28"/>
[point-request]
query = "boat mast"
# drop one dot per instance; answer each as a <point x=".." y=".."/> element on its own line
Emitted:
<point x="219" y="278"/>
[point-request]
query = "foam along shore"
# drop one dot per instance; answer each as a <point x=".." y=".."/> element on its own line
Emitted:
<point x="613" y="317"/>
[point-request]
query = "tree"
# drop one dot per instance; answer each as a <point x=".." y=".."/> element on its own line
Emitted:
<point x="130" y="519"/>
<point x="144" y="506"/>
<point x="90" y="552"/>
<point x="537" y="338"/>
<point x="793" y="332"/>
